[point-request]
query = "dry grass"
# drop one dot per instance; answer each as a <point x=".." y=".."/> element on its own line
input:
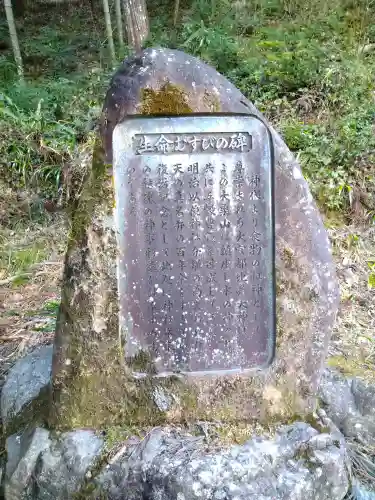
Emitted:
<point x="30" y="277"/>
<point x="362" y="458"/>
<point x="353" y="340"/>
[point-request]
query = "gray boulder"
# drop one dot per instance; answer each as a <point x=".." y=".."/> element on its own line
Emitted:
<point x="350" y="403"/>
<point x="22" y="454"/>
<point x="25" y="380"/>
<point x="42" y="467"/>
<point x="296" y="463"/>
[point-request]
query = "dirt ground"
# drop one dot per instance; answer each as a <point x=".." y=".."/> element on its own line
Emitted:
<point x="31" y="266"/>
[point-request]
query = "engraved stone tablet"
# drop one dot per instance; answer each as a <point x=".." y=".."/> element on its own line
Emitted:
<point x="195" y="223"/>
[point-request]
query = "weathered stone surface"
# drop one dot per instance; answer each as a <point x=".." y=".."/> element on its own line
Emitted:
<point x="350" y="405"/>
<point x="90" y="385"/>
<point x="360" y="492"/>
<point x="25" y="380"/>
<point x="335" y="392"/>
<point x="43" y="467"/>
<point x="297" y="463"/>
<point x="22" y="455"/>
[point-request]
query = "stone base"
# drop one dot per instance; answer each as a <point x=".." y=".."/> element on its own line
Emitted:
<point x="202" y="460"/>
<point x="296" y="463"/>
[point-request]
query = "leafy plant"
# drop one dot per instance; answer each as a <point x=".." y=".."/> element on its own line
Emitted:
<point x="371" y="278"/>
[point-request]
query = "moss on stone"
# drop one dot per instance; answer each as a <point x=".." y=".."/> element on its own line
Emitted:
<point x="141" y="363"/>
<point x="168" y="100"/>
<point x="212" y="102"/>
<point x="97" y="192"/>
<point x="172" y="99"/>
<point x="351" y="367"/>
<point x="240" y="432"/>
<point x="98" y="400"/>
<point x="117" y="434"/>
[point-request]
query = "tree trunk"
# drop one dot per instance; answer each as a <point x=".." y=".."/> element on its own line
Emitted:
<point x="18" y="8"/>
<point x="119" y="23"/>
<point x="108" y="26"/>
<point x="14" y="38"/>
<point x="176" y="9"/>
<point x="137" y="24"/>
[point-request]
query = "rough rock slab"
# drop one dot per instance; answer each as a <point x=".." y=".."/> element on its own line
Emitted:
<point x="298" y="463"/>
<point x="22" y="456"/>
<point x="42" y="467"/>
<point x="349" y="403"/>
<point x="25" y="380"/>
<point x="88" y="374"/>
<point x="360" y="492"/>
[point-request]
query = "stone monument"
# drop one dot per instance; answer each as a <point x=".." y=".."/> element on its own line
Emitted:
<point x="111" y="361"/>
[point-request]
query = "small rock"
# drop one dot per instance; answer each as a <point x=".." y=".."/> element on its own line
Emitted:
<point x="335" y="392"/>
<point x="360" y="492"/>
<point x="162" y="398"/>
<point x="47" y="468"/>
<point x="23" y="452"/>
<point x="364" y="396"/>
<point x="25" y="380"/>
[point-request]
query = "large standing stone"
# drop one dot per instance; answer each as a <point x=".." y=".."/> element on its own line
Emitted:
<point x="90" y="386"/>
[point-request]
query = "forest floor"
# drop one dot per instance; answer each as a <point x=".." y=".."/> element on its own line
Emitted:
<point x="307" y="66"/>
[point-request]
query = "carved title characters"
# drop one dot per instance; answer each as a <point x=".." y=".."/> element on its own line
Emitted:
<point x="172" y="143"/>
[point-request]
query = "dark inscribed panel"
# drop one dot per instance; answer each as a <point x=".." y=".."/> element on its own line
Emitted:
<point x="195" y="224"/>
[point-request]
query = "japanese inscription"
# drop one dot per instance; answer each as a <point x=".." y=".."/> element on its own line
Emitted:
<point x="194" y="218"/>
<point x="192" y="143"/>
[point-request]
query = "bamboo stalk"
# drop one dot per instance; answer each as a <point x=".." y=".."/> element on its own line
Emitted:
<point x="137" y="25"/>
<point x="14" y="38"/>
<point x="119" y="23"/>
<point x="108" y="25"/>
<point x="176" y="10"/>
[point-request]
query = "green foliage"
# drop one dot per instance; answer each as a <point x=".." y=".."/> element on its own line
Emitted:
<point x="308" y="65"/>
<point x="44" y="122"/>
<point x="17" y="262"/>
<point x="371" y="278"/>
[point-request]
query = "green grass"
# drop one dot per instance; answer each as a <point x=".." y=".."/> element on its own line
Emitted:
<point x="17" y="262"/>
<point x="308" y="65"/>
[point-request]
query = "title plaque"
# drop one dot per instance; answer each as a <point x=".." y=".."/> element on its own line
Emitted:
<point x="194" y="216"/>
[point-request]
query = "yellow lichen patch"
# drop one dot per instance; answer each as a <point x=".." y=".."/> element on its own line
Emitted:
<point x="272" y="394"/>
<point x="352" y="367"/>
<point x="212" y="102"/>
<point x="168" y="100"/>
<point x="241" y="432"/>
<point x="288" y="257"/>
